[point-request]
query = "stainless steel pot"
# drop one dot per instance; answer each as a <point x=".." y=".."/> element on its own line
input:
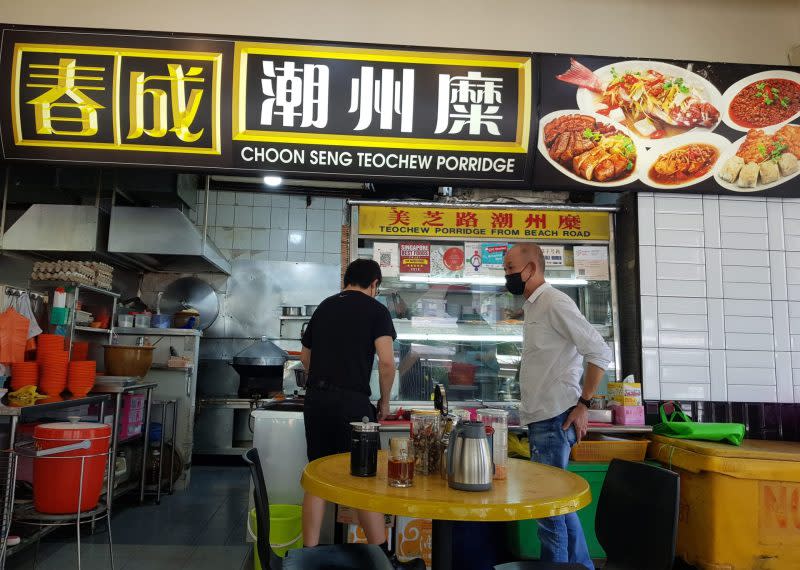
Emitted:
<point x="288" y="311"/>
<point x="310" y="309"/>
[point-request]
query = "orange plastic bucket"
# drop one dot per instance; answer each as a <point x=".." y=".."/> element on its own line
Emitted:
<point x="57" y="478"/>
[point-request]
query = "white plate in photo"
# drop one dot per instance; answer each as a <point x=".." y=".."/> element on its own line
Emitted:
<point x="651" y="155"/>
<point x="590" y="102"/>
<point x="734" y="90"/>
<point x="544" y="121"/>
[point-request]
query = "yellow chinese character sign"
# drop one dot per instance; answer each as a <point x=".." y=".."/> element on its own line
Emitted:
<point x="129" y="99"/>
<point x="511" y="224"/>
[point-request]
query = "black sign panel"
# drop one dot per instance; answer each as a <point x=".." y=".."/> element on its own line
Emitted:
<point x="610" y="124"/>
<point x="218" y="103"/>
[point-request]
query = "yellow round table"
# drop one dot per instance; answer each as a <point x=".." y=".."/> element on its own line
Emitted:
<point x="531" y="491"/>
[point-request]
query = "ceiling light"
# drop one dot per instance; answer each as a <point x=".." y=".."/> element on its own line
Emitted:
<point x="273" y="180"/>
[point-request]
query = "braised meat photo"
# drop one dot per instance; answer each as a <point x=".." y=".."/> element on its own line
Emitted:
<point x="589" y="148"/>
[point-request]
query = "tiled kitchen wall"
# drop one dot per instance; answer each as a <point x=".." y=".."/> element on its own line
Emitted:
<point x="274" y="227"/>
<point x="720" y="305"/>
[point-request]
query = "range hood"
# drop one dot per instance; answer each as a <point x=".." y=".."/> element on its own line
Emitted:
<point x="165" y="239"/>
<point x="150" y="239"/>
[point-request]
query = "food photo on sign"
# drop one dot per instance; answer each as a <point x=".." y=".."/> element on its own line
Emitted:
<point x="675" y="126"/>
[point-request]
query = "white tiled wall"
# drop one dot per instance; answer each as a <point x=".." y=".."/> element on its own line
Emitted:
<point x="720" y="285"/>
<point x="261" y="227"/>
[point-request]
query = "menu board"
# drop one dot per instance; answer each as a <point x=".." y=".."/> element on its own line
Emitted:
<point x="415" y="257"/>
<point x="668" y="126"/>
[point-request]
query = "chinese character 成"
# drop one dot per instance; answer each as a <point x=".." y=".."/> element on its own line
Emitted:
<point x="385" y="96"/>
<point x="183" y="110"/>
<point x="502" y="220"/>
<point x="466" y="219"/>
<point x="65" y="84"/>
<point x="469" y="101"/>
<point x="292" y="87"/>
<point x="569" y="222"/>
<point x="433" y="219"/>
<point x="535" y="220"/>
<point x="400" y="217"/>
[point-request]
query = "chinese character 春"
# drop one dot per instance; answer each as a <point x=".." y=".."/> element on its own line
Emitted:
<point x="384" y="96"/>
<point x="433" y="219"/>
<point x="502" y="220"/>
<point x="65" y="84"/>
<point x="537" y="220"/>
<point x="294" y="91"/>
<point x="569" y="222"/>
<point x="183" y="110"/>
<point x="401" y="217"/>
<point x="471" y="100"/>
<point x="466" y="219"/>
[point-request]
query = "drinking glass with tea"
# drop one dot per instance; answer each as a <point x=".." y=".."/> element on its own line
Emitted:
<point x="401" y="462"/>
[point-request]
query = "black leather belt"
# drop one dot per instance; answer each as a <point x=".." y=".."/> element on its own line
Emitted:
<point x="323" y="386"/>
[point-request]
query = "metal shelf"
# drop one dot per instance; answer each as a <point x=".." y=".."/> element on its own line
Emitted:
<point x="300" y="318"/>
<point x="149" y="331"/>
<point x="53" y="284"/>
<point x="92" y="329"/>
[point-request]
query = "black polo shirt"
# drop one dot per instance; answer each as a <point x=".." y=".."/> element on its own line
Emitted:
<point x="341" y="336"/>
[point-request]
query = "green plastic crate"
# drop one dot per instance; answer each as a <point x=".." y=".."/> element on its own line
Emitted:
<point x="524" y="536"/>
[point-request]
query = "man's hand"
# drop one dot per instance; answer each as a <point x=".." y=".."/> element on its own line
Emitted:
<point x="383" y="409"/>
<point x="579" y="417"/>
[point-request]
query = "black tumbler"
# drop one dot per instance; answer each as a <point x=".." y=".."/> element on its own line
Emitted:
<point x="364" y="445"/>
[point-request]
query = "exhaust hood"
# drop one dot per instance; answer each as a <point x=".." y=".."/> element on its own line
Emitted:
<point x="150" y="239"/>
<point x="165" y="239"/>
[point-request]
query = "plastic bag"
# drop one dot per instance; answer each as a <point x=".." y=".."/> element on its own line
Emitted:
<point x="23" y="306"/>
<point x="13" y="336"/>
<point x="680" y="426"/>
<point x="518" y="447"/>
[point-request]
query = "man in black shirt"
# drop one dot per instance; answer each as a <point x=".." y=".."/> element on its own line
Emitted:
<point x="339" y="347"/>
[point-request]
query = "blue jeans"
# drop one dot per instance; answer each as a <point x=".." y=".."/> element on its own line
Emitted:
<point x="562" y="536"/>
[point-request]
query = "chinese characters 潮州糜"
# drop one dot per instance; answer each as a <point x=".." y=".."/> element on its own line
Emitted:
<point x="471" y="101"/>
<point x="385" y="97"/>
<point x="466" y="104"/>
<point x="292" y="86"/>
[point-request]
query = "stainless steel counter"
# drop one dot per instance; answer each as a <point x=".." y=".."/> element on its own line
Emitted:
<point x="40" y="407"/>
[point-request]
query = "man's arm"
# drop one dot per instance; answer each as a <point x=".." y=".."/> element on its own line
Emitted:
<point x="384" y="348"/>
<point x="305" y="358"/>
<point x="568" y="321"/>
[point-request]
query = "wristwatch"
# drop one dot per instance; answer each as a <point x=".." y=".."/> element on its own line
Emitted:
<point x="585" y="402"/>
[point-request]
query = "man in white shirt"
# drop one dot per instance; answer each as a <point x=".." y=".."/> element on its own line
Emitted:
<point x="557" y="339"/>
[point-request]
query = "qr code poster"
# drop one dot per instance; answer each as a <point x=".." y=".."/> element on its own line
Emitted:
<point x="387" y="255"/>
<point x="591" y="262"/>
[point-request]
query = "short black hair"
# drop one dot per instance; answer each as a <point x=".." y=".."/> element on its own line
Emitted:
<point x="361" y="273"/>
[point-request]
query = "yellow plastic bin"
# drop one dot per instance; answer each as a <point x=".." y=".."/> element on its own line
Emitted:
<point x="739" y="506"/>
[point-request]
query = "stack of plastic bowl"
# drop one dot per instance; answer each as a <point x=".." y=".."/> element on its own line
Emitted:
<point x="80" y="350"/>
<point x="81" y="376"/>
<point x="48" y="343"/>
<point x="24" y="374"/>
<point x="53" y="367"/>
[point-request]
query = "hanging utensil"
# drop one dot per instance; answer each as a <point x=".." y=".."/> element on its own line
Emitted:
<point x="193" y="294"/>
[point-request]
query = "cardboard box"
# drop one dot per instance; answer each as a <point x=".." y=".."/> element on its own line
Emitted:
<point x="626" y="400"/>
<point x="631" y="389"/>
<point x="414" y="540"/>
<point x="629" y="415"/>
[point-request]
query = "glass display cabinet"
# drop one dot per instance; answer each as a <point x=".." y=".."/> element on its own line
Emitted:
<point x="444" y="286"/>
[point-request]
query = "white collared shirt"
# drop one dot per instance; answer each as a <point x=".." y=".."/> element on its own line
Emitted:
<point x="556" y="340"/>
